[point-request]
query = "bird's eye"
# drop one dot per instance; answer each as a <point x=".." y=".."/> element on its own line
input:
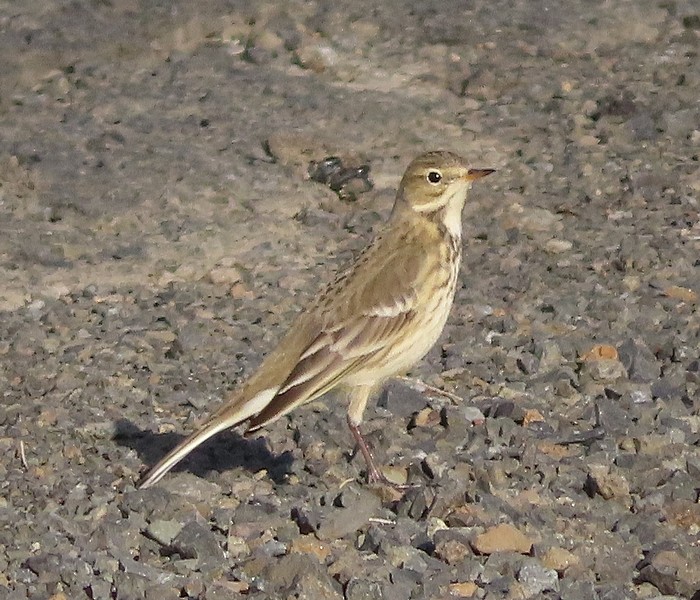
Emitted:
<point x="434" y="177"/>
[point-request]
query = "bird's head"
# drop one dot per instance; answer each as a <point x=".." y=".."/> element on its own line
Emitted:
<point x="437" y="181"/>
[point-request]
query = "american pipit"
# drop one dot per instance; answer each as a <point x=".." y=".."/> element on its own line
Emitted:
<point x="373" y="321"/>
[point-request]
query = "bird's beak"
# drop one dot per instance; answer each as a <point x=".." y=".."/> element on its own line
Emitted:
<point x="473" y="174"/>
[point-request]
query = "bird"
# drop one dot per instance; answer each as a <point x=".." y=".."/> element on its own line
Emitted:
<point x="377" y="318"/>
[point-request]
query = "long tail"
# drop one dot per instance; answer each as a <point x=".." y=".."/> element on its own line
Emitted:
<point x="231" y="414"/>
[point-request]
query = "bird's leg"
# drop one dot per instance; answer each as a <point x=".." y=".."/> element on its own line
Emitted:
<point x="358" y="400"/>
<point x="374" y="475"/>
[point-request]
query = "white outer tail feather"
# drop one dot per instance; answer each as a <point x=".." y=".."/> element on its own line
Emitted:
<point x="247" y="410"/>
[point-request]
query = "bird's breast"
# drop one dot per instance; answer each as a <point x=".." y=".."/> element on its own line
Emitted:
<point x="435" y="294"/>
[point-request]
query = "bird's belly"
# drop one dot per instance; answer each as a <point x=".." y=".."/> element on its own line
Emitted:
<point x="399" y="357"/>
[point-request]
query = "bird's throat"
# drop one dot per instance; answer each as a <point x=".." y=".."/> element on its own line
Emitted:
<point x="449" y="218"/>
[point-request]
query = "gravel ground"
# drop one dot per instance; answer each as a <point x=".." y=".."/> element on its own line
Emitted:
<point x="158" y="229"/>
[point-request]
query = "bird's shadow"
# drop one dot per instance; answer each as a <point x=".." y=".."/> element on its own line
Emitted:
<point x="227" y="450"/>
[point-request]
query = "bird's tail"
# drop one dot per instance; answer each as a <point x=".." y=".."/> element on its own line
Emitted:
<point x="231" y="414"/>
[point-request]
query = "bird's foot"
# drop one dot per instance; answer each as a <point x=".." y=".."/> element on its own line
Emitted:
<point x="374" y="474"/>
<point x="423" y="388"/>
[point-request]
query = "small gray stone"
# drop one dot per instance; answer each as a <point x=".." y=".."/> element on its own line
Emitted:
<point x="401" y="400"/>
<point x="603" y="370"/>
<point x="99" y="588"/>
<point x="550" y="356"/>
<point x="130" y="586"/>
<point x="288" y="571"/>
<point x="528" y="363"/>
<point x="163" y="532"/>
<point x="662" y="569"/>
<point x="313" y="585"/>
<point x="271" y="548"/>
<point x="358" y="509"/>
<point x="405" y="557"/>
<point x="643" y="126"/>
<point x="105" y="566"/>
<point x="197" y="541"/>
<point x="452" y="546"/>
<point x="134" y="567"/>
<point x="665" y="388"/>
<point x="536" y="579"/>
<point x="640" y="395"/>
<point x="641" y="364"/>
<point x="359" y="588"/>
<point x="608" y="483"/>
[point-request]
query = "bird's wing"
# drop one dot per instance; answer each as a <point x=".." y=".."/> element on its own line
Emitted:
<point x="366" y="314"/>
